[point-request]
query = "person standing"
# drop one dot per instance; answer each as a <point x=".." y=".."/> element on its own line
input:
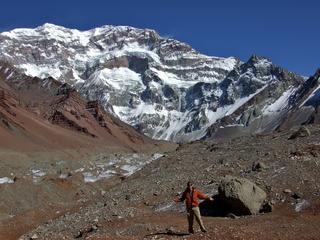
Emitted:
<point x="191" y="195"/>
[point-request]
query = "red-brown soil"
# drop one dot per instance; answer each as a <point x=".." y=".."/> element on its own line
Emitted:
<point x="140" y="206"/>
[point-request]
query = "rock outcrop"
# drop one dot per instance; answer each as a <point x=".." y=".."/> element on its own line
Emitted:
<point x="243" y="196"/>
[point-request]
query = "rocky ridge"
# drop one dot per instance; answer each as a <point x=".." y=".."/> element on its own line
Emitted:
<point x="162" y="87"/>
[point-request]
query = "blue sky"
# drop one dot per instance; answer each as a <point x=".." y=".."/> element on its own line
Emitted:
<point x="285" y="31"/>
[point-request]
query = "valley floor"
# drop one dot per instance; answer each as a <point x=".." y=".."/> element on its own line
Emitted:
<point x="283" y="224"/>
<point x="60" y="202"/>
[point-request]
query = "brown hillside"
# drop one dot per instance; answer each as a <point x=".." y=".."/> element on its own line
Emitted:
<point x="38" y="114"/>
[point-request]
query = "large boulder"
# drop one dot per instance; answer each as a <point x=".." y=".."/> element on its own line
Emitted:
<point x="243" y="196"/>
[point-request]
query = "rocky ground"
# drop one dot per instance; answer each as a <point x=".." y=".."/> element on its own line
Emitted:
<point x="137" y="204"/>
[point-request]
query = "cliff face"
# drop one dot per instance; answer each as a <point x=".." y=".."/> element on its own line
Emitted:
<point x="162" y="87"/>
<point x="305" y="104"/>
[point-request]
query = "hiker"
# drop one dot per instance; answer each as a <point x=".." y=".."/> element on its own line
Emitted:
<point x="191" y="195"/>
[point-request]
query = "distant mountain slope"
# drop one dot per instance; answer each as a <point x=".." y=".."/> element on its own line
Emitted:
<point x="162" y="87"/>
<point x="305" y="103"/>
<point x="281" y="103"/>
<point x="37" y="114"/>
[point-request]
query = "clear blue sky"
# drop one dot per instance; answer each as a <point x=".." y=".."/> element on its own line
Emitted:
<point x="285" y="31"/>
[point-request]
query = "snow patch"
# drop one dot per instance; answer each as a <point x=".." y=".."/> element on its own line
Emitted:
<point x="89" y="177"/>
<point x="42" y="71"/>
<point x="5" y="180"/>
<point x="125" y="165"/>
<point x="164" y="208"/>
<point x="117" y="78"/>
<point x="314" y="95"/>
<point x="300" y="206"/>
<point x="280" y="104"/>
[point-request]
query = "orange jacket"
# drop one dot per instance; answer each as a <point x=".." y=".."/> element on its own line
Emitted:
<point x="194" y="201"/>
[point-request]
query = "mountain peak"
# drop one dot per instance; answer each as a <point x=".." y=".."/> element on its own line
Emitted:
<point x="175" y="92"/>
<point x="257" y="58"/>
<point x="51" y="26"/>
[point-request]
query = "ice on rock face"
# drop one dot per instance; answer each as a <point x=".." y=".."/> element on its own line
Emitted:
<point x="162" y="87"/>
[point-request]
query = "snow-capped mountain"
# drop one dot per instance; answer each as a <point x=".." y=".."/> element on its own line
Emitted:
<point x="162" y="87"/>
<point x="45" y="115"/>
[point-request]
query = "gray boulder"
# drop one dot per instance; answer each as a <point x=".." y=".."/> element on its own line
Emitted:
<point x="243" y="196"/>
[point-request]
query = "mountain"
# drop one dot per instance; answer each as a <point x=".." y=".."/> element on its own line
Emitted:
<point x="72" y="169"/>
<point x="164" y="88"/>
<point x="45" y="114"/>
